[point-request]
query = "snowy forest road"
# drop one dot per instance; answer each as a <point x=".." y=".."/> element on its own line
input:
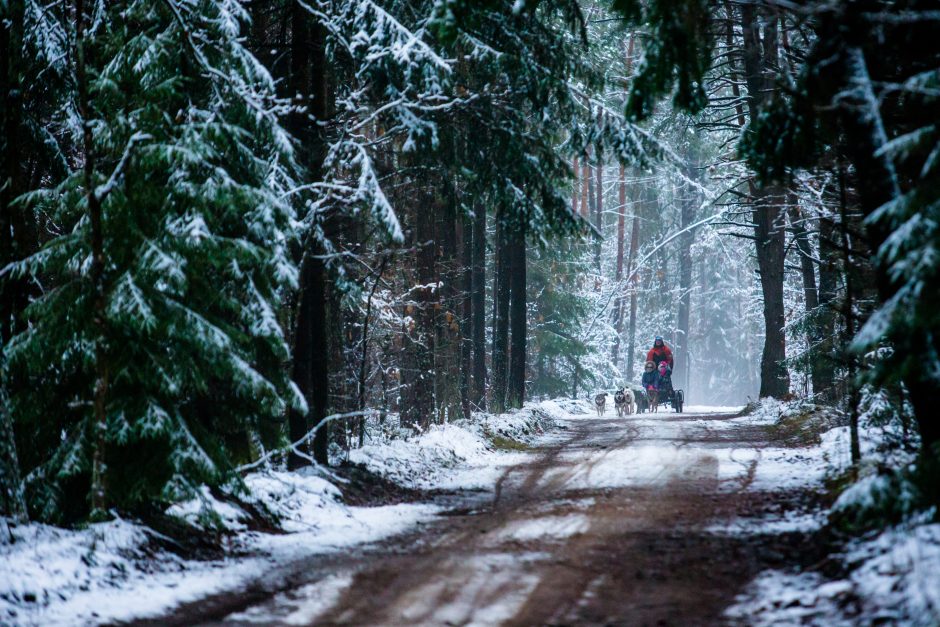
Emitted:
<point x="618" y="522"/>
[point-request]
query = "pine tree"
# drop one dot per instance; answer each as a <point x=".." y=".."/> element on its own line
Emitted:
<point x="155" y="351"/>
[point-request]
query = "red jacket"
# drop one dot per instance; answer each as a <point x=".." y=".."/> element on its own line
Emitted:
<point x="659" y="353"/>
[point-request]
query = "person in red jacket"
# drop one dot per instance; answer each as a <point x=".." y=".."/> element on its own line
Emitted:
<point x="660" y="352"/>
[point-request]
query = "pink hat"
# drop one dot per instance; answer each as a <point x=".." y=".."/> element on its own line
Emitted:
<point x="662" y="365"/>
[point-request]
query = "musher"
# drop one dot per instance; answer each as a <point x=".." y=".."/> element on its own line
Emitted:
<point x="659" y="352"/>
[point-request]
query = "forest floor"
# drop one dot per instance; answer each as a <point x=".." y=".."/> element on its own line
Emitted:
<point x="652" y="519"/>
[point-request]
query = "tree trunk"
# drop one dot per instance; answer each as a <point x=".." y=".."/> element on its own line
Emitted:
<point x="829" y="278"/>
<point x="808" y="270"/>
<point x="683" y="358"/>
<point x="760" y="57"/>
<point x="770" y="236"/>
<point x="599" y="206"/>
<point x="12" y="501"/>
<point x="465" y="234"/>
<point x="308" y="79"/>
<point x="13" y="291"/>
<point x="585" y="177"/>
<point x="99" y="478"/>
<point x="618" y="277"/>
<point x="517" y="317"/>
<point x="478" y="307"/>
<point x="849" y="318"/>
<point x="575" y="191"/>
<point x="419" y="342"/>
<point x="448" y="347"/>
<point x="633" y="283"/>
<point x="501" y="293"/>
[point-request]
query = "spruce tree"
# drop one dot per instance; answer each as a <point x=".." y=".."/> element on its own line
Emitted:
<point x="154" y="354"/>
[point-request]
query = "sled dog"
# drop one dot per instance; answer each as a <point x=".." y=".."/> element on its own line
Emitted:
<point x="600" y="402"/>
<point x="624" y="402"/>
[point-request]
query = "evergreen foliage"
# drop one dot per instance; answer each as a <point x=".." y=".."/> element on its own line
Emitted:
<point x="190" y="167"/>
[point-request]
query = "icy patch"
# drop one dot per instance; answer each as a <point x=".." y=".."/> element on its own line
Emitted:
<point x="297" y="607"/>
<point x="579" y="504"/>
<point x="554" y="527"/>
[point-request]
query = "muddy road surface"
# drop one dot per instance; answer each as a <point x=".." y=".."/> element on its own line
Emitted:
<point x="618" y="521"/>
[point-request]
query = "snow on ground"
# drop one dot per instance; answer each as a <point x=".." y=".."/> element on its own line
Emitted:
<point x="460" y="454"/>
<point x="545" y="527"/>
<point x="113" y="572"/>
<point x="711" y="409"/>
<point x="893" y="580"/>
<point x="786" y="522"/>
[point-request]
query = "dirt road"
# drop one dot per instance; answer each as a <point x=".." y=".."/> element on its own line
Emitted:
<point x="617" y="523"/>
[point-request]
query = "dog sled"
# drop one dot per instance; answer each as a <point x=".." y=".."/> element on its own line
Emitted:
<point x="670" y="398"/>
<point x="667" y="397"/>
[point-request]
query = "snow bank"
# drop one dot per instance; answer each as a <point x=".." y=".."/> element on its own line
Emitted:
<point x="112" y="572"/>
<point x="462" y="454"/>
<point x="103" y="573"/>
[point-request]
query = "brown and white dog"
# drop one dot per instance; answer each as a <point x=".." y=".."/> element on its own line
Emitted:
<point x="624" y="402"/>
<point x="600" y="402"/>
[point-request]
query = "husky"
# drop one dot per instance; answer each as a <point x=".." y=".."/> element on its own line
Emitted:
<point x="600" y="402"/>
<point x="624" y="402"/>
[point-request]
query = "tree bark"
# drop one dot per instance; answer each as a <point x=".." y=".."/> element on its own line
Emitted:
<point x="585" y="177"/>
<point x="760" y="57"/>
<point x="848" y="313"/>
<point x="13" y="292"/>
<point x="618" y="277"/>
<point x="12" y="500"/>
<point x="808" y="271"/>
<point x="448" y="345"/>
<point x="309" y="80"/>
<point x="501" y="294"/>
<point x="829" y="274"/>
<point x="517" y="316"/>
<point x="465" y="235"/>
<point x="419" y="342"/>
<point x="633" y="283"/>
<point x="478" y="307"/>
<point x="599" y="205"/>
<point x="99" y="479"/>
<point x="683" y="357"/>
